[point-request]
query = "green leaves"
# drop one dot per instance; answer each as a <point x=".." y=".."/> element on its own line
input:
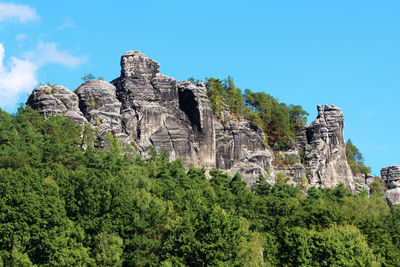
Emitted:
<point x="280" y="122"/>
<point x="108" y="249"/>
<point x="334" y="246"/>
<point x="65" y="203"/>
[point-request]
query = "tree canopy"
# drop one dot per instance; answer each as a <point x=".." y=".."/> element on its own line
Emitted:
<point x="66" y="203"/>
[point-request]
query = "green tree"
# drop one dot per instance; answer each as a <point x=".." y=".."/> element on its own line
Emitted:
<point x="355" y="159"/>
<point x="88" y="77"/>
<point x="216" y="95"/>
<point x="342" y="246"/>
<point x="233" y="97"/>
<point x="376" y="186"/>
<point x="108" y="249"/>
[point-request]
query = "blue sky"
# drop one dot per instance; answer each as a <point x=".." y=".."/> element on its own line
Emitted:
<point x="345" y="53"/>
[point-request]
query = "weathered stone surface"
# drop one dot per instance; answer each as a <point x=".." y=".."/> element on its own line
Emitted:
<point x="56" y="100"/>
<point x="391" y="176"/>
<point x="235" y="140"/>
<point x="363" y="182"/>
<point x="239" y="148"/>
<point x="325" y="149"/>
<point x="393" y="196"/>
<point x="100" y="106"/>
<point x="293" y="173"/>
<point x="250" y="172"/>
<point x="136" y="65"/>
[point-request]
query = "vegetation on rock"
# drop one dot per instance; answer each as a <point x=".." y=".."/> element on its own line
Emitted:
<point x="355" y="159"/>
<point x="280" y="122"/>
<point x="90" y="77"/>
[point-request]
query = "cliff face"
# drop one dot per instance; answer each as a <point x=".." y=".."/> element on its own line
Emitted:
<point x="145" y="108"/>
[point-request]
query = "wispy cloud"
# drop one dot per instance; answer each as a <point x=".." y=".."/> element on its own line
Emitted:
<point x="68" y="24"/>
<point x="18" y="78"/>
<point x="48" y="53"/>
<point x="19" y="13"/>
<point x="21" y="37"/>
<point x="368" y="112"/>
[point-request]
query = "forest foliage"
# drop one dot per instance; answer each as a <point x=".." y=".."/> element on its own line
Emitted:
<point x="66" y="203"/>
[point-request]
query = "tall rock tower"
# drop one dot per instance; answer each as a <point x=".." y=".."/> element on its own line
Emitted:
<point x="325" y="149"/>
<point x="156" y="110"/>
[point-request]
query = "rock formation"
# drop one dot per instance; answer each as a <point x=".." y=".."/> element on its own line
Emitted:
<point x="56" y="100"/>
<point x="324" y="149"/>
<point x="391" y="177"/>
<point x="146" y="108"/>
<point x="156" y="110"/>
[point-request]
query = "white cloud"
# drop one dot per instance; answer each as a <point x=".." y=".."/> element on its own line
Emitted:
<point x="68" y="24"/>
<point x="14" y="12"/>
<point x="48" y="53"/>
<point x="19" y="78"/>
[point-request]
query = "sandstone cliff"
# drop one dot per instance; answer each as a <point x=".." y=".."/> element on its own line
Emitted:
<point x="145" y="108"/>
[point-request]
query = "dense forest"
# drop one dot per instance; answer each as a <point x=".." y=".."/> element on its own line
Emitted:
<point x="66" y="203"/>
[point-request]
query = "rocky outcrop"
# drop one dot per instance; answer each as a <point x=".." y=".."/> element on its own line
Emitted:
<point x="391" y="177"/>
<point x="52" y="100"/>
<point x="324" y="148"/>
<point x="145" y="108"/>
